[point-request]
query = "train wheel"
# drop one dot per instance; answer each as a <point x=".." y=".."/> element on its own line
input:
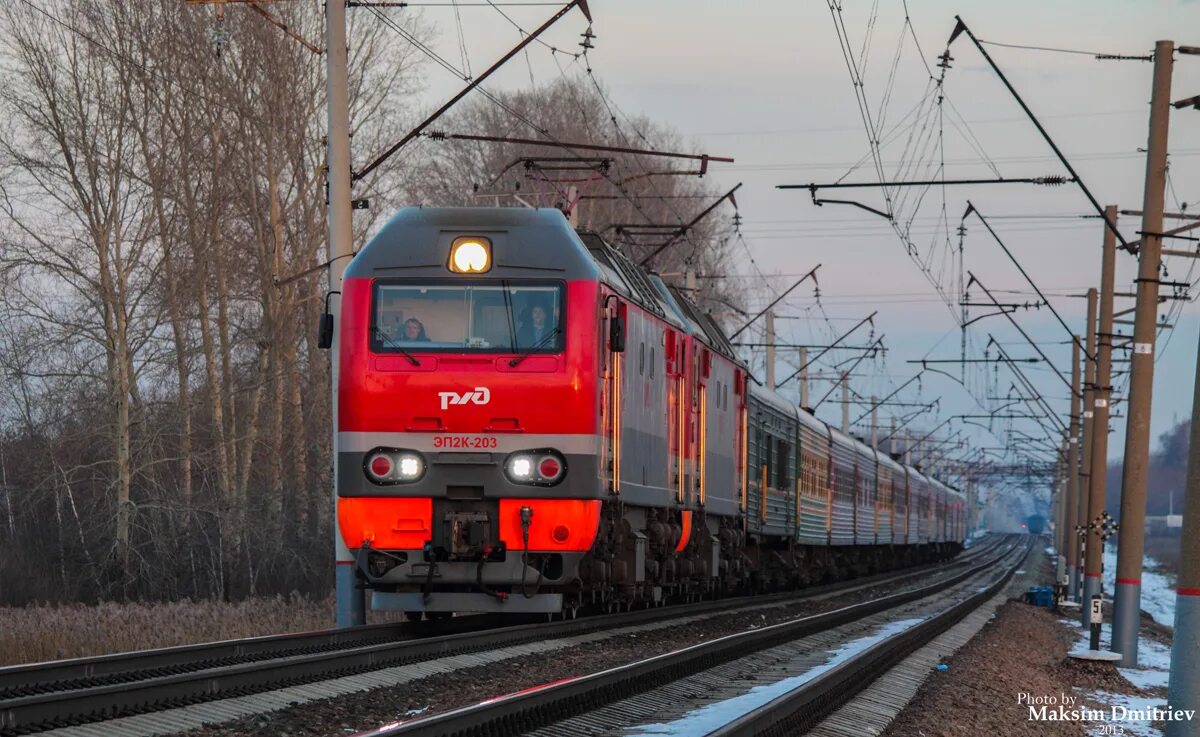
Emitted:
<point x="413" y="616"/>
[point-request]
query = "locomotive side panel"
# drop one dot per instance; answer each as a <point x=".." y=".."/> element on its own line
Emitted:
<point x="646" y="473"/>
<point x="719" y="415"/>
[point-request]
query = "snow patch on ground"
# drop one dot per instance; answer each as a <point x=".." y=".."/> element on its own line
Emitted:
<point x="1153" y="672"/>
<point x="1126" y="726"/>
<point x="713" y="716"/>
<point x="1158" y="590"/>
<point x="1154" y="665"/>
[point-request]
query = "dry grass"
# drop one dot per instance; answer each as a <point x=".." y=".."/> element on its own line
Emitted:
<point x="38" y="633"/>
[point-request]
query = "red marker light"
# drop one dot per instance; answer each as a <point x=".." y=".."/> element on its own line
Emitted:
<point x="561" y="533"/>
<point x="549" y="468"/>
<point x="381" y="466"/>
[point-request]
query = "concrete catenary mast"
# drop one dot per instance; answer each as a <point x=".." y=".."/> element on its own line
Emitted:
<point x="351" y="600"/>
<point x="1183" y="691"/>
<point x="1094" y="547"/>
<point x="1131" y="542"/>
<point x="1072" y="498"/>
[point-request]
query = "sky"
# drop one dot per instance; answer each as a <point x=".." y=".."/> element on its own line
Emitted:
<point x="765" y="82"/>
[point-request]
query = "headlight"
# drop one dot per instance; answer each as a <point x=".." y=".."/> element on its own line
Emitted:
<point x="470" y="255"/>
<point x="394" y="466"/>
<point x="543" y="467"/>
<point x="520" y="468"/>
<point x="410" y="467"/>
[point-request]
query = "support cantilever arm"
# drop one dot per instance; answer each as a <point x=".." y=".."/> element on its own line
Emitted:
<point x="1075" y="338"/>
<point x="683" y="229"/>
<point x="881" y="401"/>
<point x="843" y="336"/>
<point x="1021" y="330"/>
<point x="878" y="341"/>
<point x="961" y="27"/>
<point x="777" y="300"/>
<point x="408" y="137"/>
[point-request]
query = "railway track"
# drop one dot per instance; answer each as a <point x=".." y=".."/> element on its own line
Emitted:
<point x="73" y="692"/>
<point x="888" y="629"/>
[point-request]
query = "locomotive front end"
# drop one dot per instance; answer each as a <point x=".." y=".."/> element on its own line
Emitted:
<point x="467" y="448"/>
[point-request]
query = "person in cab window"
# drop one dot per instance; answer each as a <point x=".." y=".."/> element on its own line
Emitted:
<point x="534" y="330"/>
<point x="414" y="331"/>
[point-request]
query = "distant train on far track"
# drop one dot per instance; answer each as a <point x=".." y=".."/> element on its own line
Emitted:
<point x="529" y="422"/>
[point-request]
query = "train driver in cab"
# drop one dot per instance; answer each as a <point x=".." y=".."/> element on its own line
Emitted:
<point x="536" y="332"/>
<point x="414" y="331"/>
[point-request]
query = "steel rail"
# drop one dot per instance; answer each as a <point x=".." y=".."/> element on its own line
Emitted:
<point x="31" y="678"/>
<point x="803" y="708"/>
<point x="536" y="707"/>
<point x="167" y="679"/>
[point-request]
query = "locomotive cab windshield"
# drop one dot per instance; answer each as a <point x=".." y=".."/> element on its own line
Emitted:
<point x="476" y="316"/>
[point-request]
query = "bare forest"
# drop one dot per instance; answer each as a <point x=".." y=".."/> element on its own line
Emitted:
<point x="164" y="418"/>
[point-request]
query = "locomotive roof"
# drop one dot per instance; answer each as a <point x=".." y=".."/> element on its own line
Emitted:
<point x="526" y="242"/>
<point x="621" y="273"/>
<point x="708" y="327"/>
<point x="649" y="291"/>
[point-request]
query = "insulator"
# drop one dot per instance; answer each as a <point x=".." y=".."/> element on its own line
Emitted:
<point x="437" y="135"/>
<point x="1051" y="181"/>
<point x="587" y="36"/>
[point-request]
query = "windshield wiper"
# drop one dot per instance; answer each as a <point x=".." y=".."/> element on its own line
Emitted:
<point x="392" y="344"/>
<point x="512" y="328"/>
<point x="540" y="344"/>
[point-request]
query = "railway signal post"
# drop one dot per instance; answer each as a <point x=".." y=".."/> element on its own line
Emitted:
<point x="351" y="600"/>
<point x="1130" y="545"/>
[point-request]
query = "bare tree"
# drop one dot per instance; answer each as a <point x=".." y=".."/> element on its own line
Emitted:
<point x="161" y="255"/>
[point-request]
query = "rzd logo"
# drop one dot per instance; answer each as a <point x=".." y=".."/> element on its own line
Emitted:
<point x="480" y="395"/>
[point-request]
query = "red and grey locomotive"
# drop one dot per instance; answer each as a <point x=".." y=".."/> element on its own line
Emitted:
<point x="528" y="422"/>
